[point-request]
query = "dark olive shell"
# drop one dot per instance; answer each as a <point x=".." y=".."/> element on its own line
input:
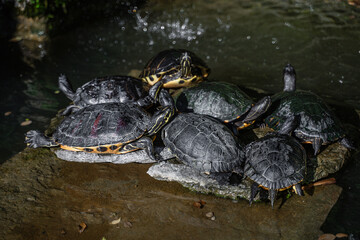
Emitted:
<point x="102" y="124"/>
<point x="112" y="89"/>
<point x="167" y="64"/>
<point x="221" y="100"/>
<point x="316" y="118"/>
<point x="203" y="143"/>
<point x="275" y="161"/>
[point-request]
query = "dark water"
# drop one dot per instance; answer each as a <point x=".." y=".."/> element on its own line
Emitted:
<point x="245" y="42"/>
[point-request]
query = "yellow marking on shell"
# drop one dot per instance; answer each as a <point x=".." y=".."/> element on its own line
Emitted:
<point x="94" y="148"/>
<point x="176" y="83"/>
<point x="204" y="71"/>
<point x="281" y="189"/>
<point x="245" y="125"/>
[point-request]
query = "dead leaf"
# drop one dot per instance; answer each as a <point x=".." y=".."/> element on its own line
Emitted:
<point x="199" y="204"/>
<point x="327" y="236"/>
<point x="25" y="123"/>
<point x="341" y="235"/>
<point x="7" y="114"/>
<point x="82" y="227"/>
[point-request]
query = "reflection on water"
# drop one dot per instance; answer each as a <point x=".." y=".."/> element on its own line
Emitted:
<point x="245" y="42"/>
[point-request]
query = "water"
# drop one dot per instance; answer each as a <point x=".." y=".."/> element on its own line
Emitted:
<point x="244" y="42"/>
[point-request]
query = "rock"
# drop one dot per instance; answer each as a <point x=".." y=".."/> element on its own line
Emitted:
<point x="63" y="194"/>
<point x="200" y="182"/>
<point x="139" y="156"/>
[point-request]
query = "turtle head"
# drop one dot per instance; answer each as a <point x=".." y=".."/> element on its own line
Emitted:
<point x="289" y="76"/>
<point x="185" y="65"/>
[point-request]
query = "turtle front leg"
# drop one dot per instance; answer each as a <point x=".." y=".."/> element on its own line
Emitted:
<point x="160" y="119"/>
<point x="164" y="114"/>
<point x="152" y="97"/>
<point x="254" y="191"/>
<point x="35" y="139"/>
<point x="70" y="109"/>
<point x="144" y="143"/>
<point x="66" y="87"/>
<point x="255" y="112"/>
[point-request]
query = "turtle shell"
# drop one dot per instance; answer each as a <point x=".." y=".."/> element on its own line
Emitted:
<point x="166" y="64"/>
<point x="120" y="89"/>
<point x="203" y="142"/>
<point x="102" y="124"/>
<point x="222" y="100"/>
<point x="275" y="161"/>
<point x="316" y="120"/>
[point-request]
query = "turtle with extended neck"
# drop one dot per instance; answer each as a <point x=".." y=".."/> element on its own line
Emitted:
<point x="317" y="125"/>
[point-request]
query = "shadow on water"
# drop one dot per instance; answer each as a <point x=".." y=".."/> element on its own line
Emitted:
<point x="246" y="43"/>
<point x="13" y="72"/>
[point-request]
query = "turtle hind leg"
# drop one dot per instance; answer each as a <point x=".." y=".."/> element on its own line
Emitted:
<point x="298" y="190"/>
<point x="347" y="143"/>
<point x="254" y="191"/>
<point x="35" y="139"/>
<point x="256" y="111"/>
<point x="317" y="142"/>
<point x="66" y="87"/>
<point x="144" y="143"/>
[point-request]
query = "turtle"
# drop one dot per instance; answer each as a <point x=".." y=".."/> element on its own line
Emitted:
<point x="203" y="143"/>
<point x="103" y="128"/>
<point x="222" y="100"/>
<point x="175" y="68"/>
<point x="109" y="89"/>
<point x="318" y="125"/>
<point x="276" y="162"/>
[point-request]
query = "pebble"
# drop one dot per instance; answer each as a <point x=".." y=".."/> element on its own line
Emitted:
<point x="327" y="236"/>
<point x="116" y="221"/>
<point x="25" y="123"/>
<point x="341" y="235"/>
<point x="209" y="214"/>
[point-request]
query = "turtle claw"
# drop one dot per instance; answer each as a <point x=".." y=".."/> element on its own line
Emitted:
<point x="316" y="145"/>
<point x="347" y="143"/>
<point x="35" y="139"/>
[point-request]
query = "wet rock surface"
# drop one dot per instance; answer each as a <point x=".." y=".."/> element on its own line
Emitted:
<point x="43" y="197"/>
<point x="192" y="179"/>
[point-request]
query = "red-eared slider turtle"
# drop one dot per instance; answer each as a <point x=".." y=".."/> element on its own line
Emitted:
<point x="110" y="89"/>
<point x="175" y="68"/>
<point x="224" y="101"/>
<point x="276" y="162"/>
<point x="204" y="143"/>
<point x="103" y="128"/>
<point x="317" y="123"/>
